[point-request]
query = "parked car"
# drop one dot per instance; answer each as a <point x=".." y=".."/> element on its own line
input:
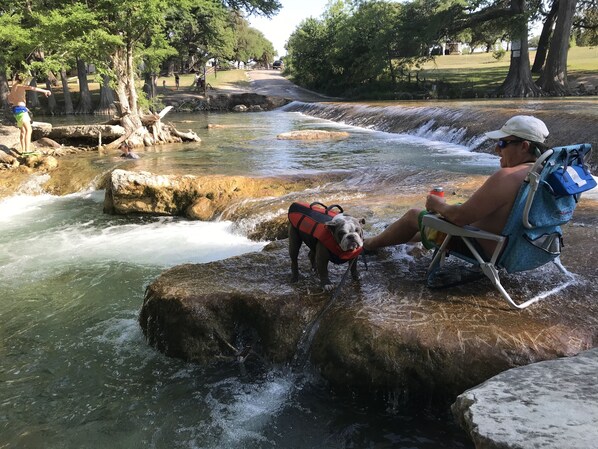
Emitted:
<point x="278" y="65"/>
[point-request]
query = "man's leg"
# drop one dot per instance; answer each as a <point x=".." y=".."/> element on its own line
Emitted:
<point x="405" y="229"/>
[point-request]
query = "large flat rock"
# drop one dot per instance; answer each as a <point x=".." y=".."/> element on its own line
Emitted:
<point x="386" y="332"/>
<point x="546" y="404"/>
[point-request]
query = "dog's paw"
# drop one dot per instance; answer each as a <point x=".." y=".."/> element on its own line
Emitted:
<point x="328" y="287"/>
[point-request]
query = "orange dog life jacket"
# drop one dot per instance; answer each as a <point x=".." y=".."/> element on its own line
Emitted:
<point x="309" y="220"/>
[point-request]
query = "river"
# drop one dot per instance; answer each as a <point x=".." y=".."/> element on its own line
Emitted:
<point x="76" y="371"/>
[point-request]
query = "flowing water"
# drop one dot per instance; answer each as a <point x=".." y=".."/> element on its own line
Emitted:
<point x="75" y="370"/>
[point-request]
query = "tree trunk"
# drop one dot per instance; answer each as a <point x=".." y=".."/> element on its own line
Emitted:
<point x="32" y="98"/>
<point x="147" y="130"/>
<point x="127" y="99"/>
<point x="131" y="90"/>
<point x="106" y="104"/>
<point x="51" y="98"/>
<point x="68" y="101"/>
<point x="4" y="93"/>
<point x="150" y="87"/>
<point x="544" y="40"/>
<point x="85" y="105"/>
<point x="554" y="77"/>
<point x="519" y="82"/>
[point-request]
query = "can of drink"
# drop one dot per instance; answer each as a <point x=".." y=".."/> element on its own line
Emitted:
<point x="438" y="191"/>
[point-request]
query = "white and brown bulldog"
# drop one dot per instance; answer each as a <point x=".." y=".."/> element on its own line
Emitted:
<point x="338" y="239"/>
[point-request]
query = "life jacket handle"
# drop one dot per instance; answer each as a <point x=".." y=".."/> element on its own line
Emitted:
<point x="333" y="206"/>
<point x="326" y="208"/>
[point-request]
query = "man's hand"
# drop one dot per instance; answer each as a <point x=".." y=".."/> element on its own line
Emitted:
<point x="435" y="203"/>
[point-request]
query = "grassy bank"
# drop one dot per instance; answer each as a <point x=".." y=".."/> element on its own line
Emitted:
<point x="483" y="71"/>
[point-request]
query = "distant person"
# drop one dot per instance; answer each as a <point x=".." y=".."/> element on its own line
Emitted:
<point x="164" y="84"/>
<point x="17" y="98"/>
<point x="196" y="81"/>
<point x="177" y="80"/>
<point x="125" y="147"/>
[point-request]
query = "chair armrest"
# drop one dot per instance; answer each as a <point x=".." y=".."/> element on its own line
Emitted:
<point x="440" y="224"/>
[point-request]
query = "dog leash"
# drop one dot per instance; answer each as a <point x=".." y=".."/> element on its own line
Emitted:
<point x="344" y="278"/>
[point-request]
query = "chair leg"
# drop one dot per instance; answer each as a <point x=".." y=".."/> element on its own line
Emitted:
<point x="439" y="256"/>
<point x="492" y="273"/>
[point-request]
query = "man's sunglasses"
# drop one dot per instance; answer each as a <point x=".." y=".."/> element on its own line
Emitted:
<point x="505" y="143"/>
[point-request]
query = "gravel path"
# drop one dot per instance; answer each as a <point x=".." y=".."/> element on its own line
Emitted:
<point x="272" y="83"/>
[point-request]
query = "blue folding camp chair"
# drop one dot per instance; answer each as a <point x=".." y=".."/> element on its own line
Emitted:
<point x="532" y="235"/>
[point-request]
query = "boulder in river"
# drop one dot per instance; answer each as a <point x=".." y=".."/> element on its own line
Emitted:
<point x="386" y="332"/>
<point x="546" y="404"/>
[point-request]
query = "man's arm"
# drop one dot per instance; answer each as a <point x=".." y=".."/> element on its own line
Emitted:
<point x="498" y="191"/>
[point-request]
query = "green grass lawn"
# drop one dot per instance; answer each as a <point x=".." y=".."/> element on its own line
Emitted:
<point x="482" y="71"/>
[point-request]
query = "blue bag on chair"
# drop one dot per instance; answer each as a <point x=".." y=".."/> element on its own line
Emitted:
<point x="573" y="177"/>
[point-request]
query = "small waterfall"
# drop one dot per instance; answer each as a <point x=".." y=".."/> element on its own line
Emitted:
<point x="34" y="185"/>
<point x="462" y="122"/>
<point x="449" y="124"/>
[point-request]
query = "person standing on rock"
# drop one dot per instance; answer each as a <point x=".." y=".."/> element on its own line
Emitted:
<point x="17" y="99"/>
<point x="519" y="142"/>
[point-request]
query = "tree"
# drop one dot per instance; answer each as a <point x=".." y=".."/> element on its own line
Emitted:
<point x="367" y="43"/>
<point x="308" y="58"/>
<point x="544" y="41"/>
<point x="15" y="41"/>
<point x="199" y="30"/>
<point x="585" y="23"/>
<point x="68" y="36"/>
<point x="554" y="76"/>
<point x="519" y="82"/>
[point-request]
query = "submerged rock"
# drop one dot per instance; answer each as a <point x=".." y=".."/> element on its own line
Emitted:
<point x="386" y="332"/>
<point x="312" y="134"/>
<point x="547" y="404"/>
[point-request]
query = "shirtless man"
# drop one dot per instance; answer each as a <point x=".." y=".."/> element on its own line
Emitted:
<point x="519" y="143"/>
<point x="17" y="98"/>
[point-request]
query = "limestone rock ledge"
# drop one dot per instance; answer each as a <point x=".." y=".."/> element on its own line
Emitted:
<point x="386" y="332"/>
<point x="547" y="404"/>
<point x="195" y="197"/>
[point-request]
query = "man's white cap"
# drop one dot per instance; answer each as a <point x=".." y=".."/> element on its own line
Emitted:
<point x="523" y="126"/>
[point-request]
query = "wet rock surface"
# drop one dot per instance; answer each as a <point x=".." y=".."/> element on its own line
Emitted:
<point x="201" y="198"/>
<point x="547" y="404"/>
<point x="386" y="332"/>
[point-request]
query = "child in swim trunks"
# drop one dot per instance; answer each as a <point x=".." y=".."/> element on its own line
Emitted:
<point x="20" y="113"/>
<point x="17" y="98"/>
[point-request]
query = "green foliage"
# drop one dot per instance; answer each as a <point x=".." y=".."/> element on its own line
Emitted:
<point x="358" y="45"/>
<point x="585" y="27"/>
<point x="15" y="41"/>
<point x="499" y="53"/>
<point x="200" y="30"/>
